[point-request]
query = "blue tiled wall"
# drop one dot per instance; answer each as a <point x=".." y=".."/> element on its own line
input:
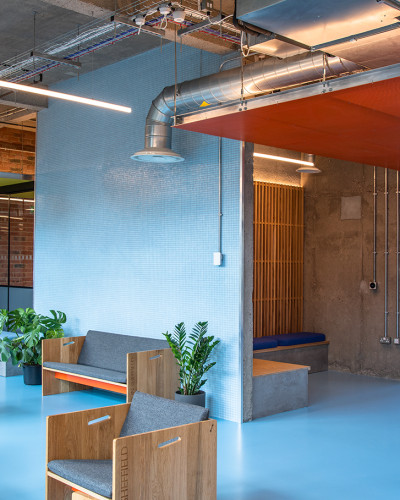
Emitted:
<point x="127" y="247"/>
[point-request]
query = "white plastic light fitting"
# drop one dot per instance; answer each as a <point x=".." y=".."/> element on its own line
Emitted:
<point x="65" y="97"/>
<point x="179" y="15"/>
<point x="164" y="9"/>
<point x="140" y="20"/>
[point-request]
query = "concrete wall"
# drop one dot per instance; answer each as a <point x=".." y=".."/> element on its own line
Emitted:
<point x="338" y="266"/>
<point x="279" y="172"/>
<point x="128" y="247"/>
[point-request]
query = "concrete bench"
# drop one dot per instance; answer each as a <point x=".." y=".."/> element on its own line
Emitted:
<point x="109" y="361"/>
<point x="298" y="348"/>
<point x="278" y="387"/>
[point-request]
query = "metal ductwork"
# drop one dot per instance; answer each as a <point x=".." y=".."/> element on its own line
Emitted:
<point x="257" y="78"/>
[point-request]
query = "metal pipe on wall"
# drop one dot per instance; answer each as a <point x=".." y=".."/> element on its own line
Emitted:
<point x="220" y="195"/>
<point x="387" y="339"/>
<point x="374" y="252"/>
<point x="397" y="339"/>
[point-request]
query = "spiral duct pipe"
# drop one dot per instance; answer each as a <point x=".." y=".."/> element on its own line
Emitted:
<point x="220" y="88"/>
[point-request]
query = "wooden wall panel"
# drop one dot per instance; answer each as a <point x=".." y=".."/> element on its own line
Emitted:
<point x="278" y="258"/>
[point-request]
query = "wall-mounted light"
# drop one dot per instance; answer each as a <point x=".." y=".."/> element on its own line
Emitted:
<point x="65" y="97"/>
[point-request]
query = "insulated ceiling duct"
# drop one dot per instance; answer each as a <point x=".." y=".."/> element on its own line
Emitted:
<point x="257" y="78"/>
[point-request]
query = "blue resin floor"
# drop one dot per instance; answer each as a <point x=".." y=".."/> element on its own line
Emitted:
<point x="344" y="446"/>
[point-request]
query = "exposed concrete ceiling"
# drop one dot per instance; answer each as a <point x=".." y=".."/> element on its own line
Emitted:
<point x="78" y="29"/>
<point x="26" y="25"/>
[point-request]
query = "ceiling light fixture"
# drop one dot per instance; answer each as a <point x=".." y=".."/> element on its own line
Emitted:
<point x="179" y="15"/>
<point x="164" y="9"/>
<point x="140" y="19"/>
<point x="65" y="97"/>
<point x="308" y="169"/>
<point x="282" y="158"/>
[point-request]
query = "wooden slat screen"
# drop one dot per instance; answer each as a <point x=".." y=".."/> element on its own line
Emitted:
<point x="278" y="258"/>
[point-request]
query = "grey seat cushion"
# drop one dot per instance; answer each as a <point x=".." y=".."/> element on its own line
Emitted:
<point x="109" y="350"/>
<point x="95" y="475"/>
<point x="150" y="413"/>
<point x="88" y="371"/>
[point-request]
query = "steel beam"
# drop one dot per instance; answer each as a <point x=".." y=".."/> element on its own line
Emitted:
<point x="60" y="60"/>
<point x="344" y="82"/>
<point x="19" y="99"/>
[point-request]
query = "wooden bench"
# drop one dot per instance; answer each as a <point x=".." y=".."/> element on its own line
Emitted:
<point x="278" y="387"/>
<point x="102" y="360"/>
<point x="313" y="354"/>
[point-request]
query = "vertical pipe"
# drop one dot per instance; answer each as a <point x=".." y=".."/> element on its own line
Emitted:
<point x="220" y="194"/>
<point x="386" y="250"/>
<point x="374" y="252"/>
<point x="9" y="254"/>
<point x="397" y="253"/>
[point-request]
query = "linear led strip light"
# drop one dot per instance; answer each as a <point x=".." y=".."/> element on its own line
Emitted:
<point x="65" y="97"/>
<point x="307" y="167"/>
<point x="282" y="158"/>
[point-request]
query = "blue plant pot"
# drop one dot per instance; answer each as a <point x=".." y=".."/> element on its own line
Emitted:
<point x="32" y="374"/>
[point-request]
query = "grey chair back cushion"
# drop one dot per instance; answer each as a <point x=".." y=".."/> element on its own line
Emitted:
<point x="109" y="350"/>
<point x="152" y="413"/>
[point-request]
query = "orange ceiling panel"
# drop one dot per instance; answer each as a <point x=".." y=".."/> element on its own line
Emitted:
<point x="360" y="124"/>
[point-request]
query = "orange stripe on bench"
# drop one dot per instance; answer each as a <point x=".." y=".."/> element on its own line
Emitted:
<point x="108" y="386"/>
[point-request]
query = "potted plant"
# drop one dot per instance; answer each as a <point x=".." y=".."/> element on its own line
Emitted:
<point x="25" y="347"/>
<point x="192" y="353"/>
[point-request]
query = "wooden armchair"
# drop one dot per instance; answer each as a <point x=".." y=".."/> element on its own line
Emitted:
<point x="109" y="361"/>
<point x="153" y="448"/>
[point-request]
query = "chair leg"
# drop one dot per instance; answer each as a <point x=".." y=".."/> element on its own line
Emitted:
<point x="52" y="385"/>
<point x="56" y="490"/>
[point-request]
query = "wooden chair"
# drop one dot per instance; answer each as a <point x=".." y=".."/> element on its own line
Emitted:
<point x="152" y="448"/>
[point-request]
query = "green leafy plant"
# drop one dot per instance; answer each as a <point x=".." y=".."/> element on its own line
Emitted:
<point x="30" y="328"/>
<point x="192" y="353"/>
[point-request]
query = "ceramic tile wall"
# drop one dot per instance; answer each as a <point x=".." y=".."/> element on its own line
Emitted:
<point x="127" y="247"/>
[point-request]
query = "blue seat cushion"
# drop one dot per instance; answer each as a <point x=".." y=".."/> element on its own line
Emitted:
<point x="95" y="475"/>
<point x="151" y="413"/>
<point x="109" y="350"/>
<point x="288" y="339"/>
<point x="265" y="342"/>
<point x="88" y="371"/>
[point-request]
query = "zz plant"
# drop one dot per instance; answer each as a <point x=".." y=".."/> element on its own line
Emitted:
<point x="25" y="348"/>
<point x="192" y="353"/>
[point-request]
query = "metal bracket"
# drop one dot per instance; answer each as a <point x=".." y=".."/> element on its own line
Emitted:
<point x="61" y="60"/>
<point x="145" y="29"/>
<point x="198" y="26"/>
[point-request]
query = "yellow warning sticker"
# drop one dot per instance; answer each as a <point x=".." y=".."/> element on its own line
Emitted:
<point x="204" y="104"/>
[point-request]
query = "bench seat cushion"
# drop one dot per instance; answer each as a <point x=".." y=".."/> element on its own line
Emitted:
<point x="265" y="342"/>
<point x="288" y="339"/>
<point x="95" y="475"/>
<point x="109" y="350"/>
<point x="151" y="413"/>
<point x="88" y="371"/>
